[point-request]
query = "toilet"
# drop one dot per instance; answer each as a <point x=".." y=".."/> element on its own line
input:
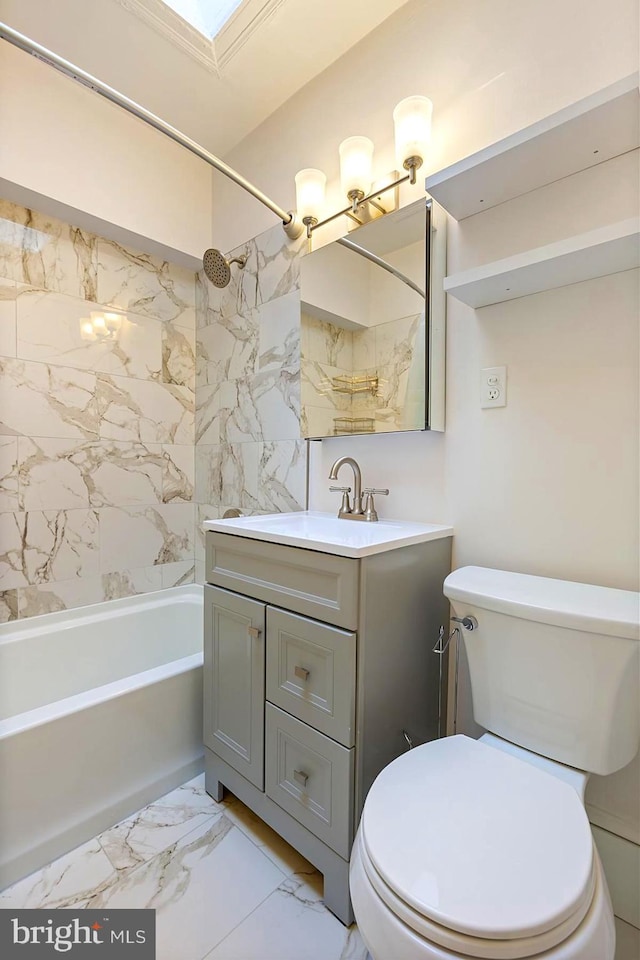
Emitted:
<point x="482" y="848"/>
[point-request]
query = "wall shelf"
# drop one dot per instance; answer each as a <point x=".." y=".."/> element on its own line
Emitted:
<point x="601" y="126"/>
<point x="597" y="253"/>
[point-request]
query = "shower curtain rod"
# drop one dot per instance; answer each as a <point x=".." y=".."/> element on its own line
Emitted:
<point x="292" y="225"/>
<point x="381" y="263"/>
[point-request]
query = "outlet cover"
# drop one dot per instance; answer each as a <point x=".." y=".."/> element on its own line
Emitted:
<point x="493" y="387"/>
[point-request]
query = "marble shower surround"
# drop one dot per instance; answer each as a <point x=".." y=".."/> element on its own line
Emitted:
<point x="249" y="451"/>
<point x="97" y="470"/>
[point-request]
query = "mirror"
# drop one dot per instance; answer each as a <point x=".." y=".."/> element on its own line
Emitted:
<point x="373" y="327"/>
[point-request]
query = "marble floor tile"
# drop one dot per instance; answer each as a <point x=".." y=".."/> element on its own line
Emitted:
<point x="292" y="924"/>
<point x="201" y="888"/>
<point x="273" y="846"/>
<point x="223" y="884"/>
<point x="68" y="881"/>
<point x="159" y="825"/>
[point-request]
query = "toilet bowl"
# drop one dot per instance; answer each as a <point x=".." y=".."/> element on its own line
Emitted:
<point x="464" y="850"/>
<point x="482" y="848"/>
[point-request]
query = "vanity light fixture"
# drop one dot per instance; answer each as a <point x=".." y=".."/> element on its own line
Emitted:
<point x="356" y="166"/>
<point x="310" y="187"/>
<point x="412" y="122"/>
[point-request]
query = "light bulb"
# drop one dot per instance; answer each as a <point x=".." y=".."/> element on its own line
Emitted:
<point x="356" y="162"/>
<point x="310" y="185"/>
<point x="412" y="120"/>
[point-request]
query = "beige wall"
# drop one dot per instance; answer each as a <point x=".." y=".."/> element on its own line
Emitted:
<point x="490" y="67"/>
<point x="549" y="484"/>
<point x="70" y="153"/>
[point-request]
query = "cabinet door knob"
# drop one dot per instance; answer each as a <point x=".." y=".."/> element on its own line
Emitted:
<point x="302" y="673"/>
<point x="300" y="777"/>
<point x="254" y="632"/>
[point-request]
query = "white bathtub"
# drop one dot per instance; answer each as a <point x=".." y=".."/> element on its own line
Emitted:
<point x="100" y="713"/>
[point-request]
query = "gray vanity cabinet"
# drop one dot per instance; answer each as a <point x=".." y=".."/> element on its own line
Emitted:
<point x="234" y="681"/>
<point x="319" y="670"/>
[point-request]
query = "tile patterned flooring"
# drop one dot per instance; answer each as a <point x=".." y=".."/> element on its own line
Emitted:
<point x="223" y="884"/>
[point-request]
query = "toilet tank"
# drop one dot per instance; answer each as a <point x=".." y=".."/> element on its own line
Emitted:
<point x="554" y="665"/>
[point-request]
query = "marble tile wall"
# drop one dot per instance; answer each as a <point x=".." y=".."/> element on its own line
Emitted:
<point x="385" y="351"/>
<point x="97" y="467"/>
<point x="249" y="452"/>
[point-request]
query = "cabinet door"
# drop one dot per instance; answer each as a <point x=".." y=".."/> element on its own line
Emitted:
<point x="234" y="681"/>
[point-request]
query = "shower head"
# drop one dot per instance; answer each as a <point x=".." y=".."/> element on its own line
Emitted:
<point x="218" y="268"/>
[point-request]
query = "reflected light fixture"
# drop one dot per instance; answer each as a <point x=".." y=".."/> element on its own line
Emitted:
<point x="412" y="123"/>
<point x="101" y="326"/>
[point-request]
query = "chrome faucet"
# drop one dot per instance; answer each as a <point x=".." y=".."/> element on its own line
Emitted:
<point x="357" y="511"/>
<point x="346" y="509"/>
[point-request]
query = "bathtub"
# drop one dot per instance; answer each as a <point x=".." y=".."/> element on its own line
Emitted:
<point x="100" y="713"/>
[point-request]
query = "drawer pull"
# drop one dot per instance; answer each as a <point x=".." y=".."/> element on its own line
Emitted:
<point x="300" y="777"/>
<point x="302" y="673"/>
<point x="253" y="632"/>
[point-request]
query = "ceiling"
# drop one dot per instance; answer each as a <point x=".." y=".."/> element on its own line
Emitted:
<point x="137" y="56"/>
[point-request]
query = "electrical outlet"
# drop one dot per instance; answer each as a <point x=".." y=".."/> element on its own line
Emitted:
<point x="493" y="387"/>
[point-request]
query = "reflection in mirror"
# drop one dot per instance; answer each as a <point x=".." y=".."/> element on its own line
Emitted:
<point x="372" y="345"/>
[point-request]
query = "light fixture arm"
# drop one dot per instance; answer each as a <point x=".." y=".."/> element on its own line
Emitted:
<point x="351" y="211"/>
<point x="291" y="224"/>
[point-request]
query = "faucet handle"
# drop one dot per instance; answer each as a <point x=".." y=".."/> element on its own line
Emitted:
<point x="369" y="509"/>
<point x="345" y="506"/>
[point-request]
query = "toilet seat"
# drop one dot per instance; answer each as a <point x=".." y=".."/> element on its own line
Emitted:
<point x="490" y="857"/>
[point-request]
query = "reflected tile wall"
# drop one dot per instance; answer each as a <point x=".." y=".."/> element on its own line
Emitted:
<point x="248" y="448"/>
<point x="385" y="351"/>
<point x="97" y="469"/>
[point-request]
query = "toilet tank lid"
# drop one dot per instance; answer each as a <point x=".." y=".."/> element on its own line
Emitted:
<point x="563" y="603"/>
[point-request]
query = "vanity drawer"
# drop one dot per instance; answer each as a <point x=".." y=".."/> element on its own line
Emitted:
<point x="311" y="777"/>
<point x="306" y="581"/>
<point x="311" y="673"/>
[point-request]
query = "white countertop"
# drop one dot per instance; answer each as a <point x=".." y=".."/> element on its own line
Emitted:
<point x="313" y="530"/>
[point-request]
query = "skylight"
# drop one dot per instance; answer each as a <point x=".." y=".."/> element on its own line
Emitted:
<point x="207" y="16"/>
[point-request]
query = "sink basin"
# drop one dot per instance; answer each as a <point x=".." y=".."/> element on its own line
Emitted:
<point x="313" y="530"/>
